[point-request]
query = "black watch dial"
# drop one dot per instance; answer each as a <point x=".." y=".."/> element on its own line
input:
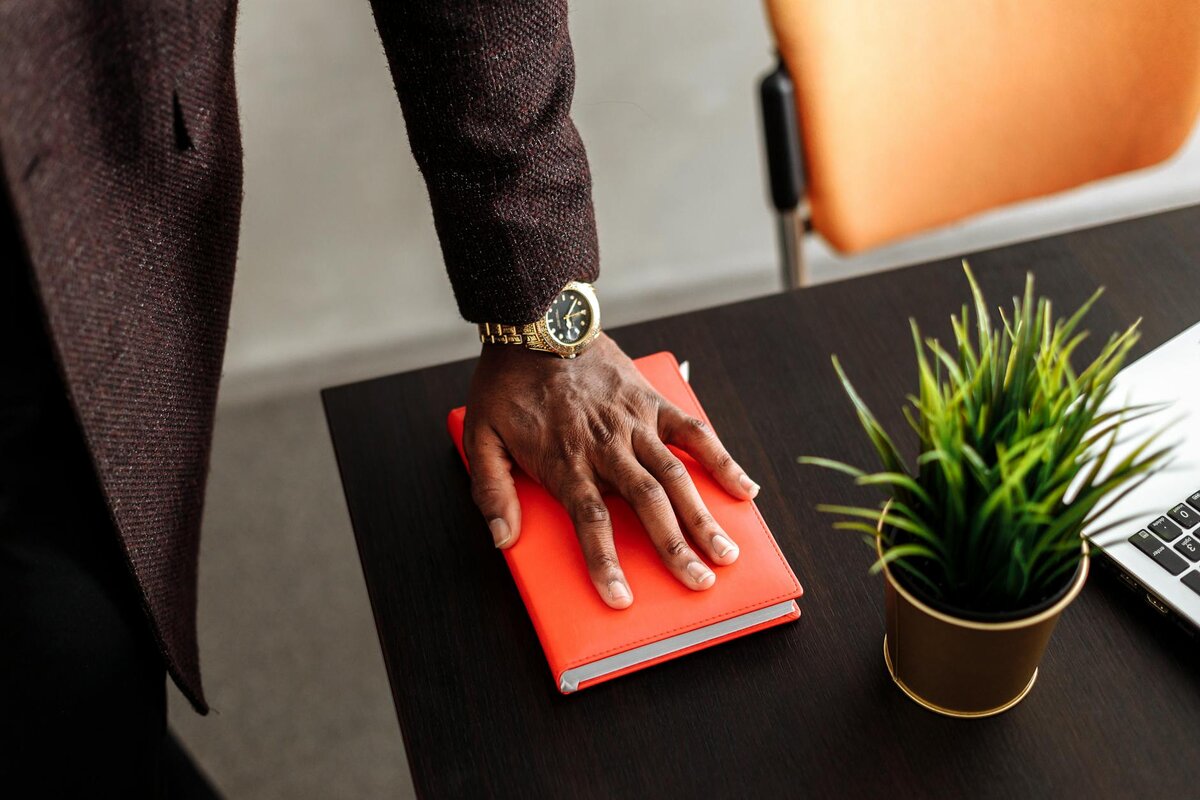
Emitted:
<point x="569" y="318"/>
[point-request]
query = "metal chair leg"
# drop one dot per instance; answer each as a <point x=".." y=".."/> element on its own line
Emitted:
<point x="791" y="249"/>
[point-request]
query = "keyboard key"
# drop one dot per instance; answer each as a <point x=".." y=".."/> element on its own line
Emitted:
<point x="1144" y="542"/>
<point x="1185" y="515"/>
<point x="1194" y="501"/>
<point x="1192" y="581"/>
<point x="1167" y="531"/>
<point x="1159" y="552"/>
<point x="1189" y="547"/>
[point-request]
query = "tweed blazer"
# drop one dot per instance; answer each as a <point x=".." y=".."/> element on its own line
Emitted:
<point x="121" y="153"/>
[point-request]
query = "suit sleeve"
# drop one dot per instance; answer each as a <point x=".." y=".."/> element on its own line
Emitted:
<point x="486" y="88"/>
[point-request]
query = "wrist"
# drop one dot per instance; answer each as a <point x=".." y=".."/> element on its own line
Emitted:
<point x="513" y="357"/>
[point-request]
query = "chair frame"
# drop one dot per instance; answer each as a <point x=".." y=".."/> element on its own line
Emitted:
<point x="785" y="171"/>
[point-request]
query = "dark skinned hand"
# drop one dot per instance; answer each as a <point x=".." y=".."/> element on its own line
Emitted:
<point x="588" y="425"/>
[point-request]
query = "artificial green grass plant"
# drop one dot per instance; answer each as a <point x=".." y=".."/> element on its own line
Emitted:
<point x="1013" y="459"/>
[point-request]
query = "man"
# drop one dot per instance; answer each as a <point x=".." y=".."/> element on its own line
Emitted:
<point x="122" y="163"/>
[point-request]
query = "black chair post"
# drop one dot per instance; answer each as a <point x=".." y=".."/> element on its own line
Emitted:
<point x="785" y="169"/>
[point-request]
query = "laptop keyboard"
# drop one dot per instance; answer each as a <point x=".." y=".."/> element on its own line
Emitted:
<point x="1171" y="547"/>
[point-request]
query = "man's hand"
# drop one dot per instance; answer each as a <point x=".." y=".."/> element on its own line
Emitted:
<point x="587" y="425"/>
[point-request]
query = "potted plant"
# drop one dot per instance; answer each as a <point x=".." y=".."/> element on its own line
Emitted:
<point x="980" y="542"/>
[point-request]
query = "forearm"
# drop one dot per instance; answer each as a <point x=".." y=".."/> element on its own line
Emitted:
<point x="486" y="93"/>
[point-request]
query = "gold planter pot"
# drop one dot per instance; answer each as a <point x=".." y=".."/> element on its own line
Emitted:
<point x="961" y="667"/>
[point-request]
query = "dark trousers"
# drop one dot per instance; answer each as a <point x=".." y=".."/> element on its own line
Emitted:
<point x="82" y="685"/>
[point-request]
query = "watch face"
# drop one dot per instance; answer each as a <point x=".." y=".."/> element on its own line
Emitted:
<point x="569" y="318"/>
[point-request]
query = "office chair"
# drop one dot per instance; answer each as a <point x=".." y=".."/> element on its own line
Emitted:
<point x="883" y="119"/>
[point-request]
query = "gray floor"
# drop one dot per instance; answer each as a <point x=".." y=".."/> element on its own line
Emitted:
<point x="288" y="649"/>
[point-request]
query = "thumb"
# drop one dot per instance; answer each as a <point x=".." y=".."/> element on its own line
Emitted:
<point x="493" y="489"/>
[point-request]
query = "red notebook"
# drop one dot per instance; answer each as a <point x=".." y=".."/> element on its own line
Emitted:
<point x="585" y="641"/>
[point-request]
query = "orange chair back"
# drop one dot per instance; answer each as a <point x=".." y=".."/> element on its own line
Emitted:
<point x="915" y="114"/>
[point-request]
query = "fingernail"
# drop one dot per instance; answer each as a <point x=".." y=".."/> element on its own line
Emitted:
<point x="700" y="573"/>
<point x="723" y="547"/>
<point x="750" y="486"/>
<point x="500" y="531"/>
<point x="619" y="593"/>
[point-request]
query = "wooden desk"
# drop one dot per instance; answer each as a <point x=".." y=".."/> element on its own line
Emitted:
<point x="809" y="709"/>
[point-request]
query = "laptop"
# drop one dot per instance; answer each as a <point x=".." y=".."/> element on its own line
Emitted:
<point x="1157" y="552"/>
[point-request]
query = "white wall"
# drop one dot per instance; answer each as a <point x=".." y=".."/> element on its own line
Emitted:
<point x="340" y="275"/>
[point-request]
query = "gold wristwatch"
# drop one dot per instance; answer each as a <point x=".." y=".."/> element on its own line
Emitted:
<point x="568" y="328"/>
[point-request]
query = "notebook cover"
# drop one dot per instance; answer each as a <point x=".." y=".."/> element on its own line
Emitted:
<point x="574" y="625"/>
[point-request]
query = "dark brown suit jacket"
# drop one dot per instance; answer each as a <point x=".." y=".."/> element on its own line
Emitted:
<point x="121" y="153"/>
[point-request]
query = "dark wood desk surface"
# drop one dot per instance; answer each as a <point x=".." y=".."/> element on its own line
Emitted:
<point x="806" y="710"/>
